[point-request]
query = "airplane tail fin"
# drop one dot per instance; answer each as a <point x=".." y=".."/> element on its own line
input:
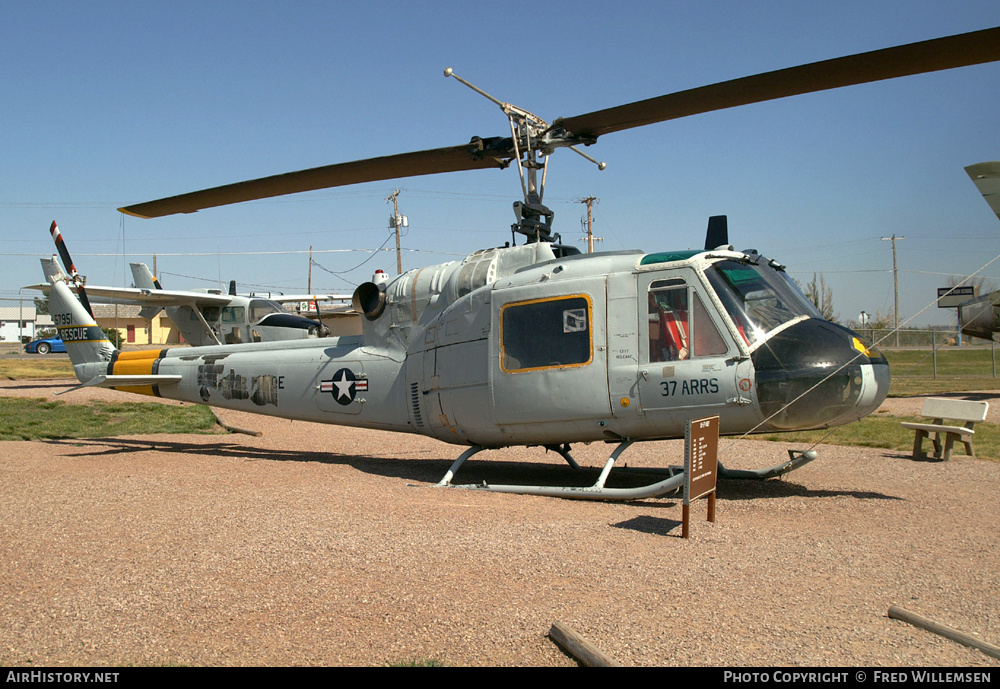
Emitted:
<point x="143" y="278"/>
<point x="88" y="347"/>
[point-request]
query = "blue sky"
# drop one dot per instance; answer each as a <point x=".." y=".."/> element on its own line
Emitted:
<point x="104" y="104"/>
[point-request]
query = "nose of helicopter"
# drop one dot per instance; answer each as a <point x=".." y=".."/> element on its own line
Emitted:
<point x="817" y="374"/>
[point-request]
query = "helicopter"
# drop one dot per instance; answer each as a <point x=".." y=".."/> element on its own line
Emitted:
<point x="538" y="344"/>
<point x="205" y="317"/>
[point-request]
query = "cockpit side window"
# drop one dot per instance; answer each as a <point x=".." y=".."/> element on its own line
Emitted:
<point x="679" y="325"/>
<point x="546" y="333"/>
<point x="706" y="339"/>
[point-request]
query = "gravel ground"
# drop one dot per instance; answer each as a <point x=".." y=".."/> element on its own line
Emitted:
<point x="319" y="545"/>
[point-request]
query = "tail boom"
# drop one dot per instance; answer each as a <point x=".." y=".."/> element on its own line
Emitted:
<point x="88" y="347"/>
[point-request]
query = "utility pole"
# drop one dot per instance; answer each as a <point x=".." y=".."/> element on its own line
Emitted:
<point x="590" y="201"/>
<point x="395" y="222"/>
<point x="309" y="285"/>
<point x="895" y="283"/>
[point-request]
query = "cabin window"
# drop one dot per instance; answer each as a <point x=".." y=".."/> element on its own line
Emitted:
<point x="546" y="333"/>
<point x="233" y="314"/>
<point x="679" y="325"/>
<point x="210" y="313"/>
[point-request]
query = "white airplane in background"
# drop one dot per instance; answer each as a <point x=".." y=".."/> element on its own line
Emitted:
<point x="204" y="317"/>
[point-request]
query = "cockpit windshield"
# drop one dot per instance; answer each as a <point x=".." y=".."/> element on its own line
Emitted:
<point x="758" y="297"/>
<point x="261" y="307"/>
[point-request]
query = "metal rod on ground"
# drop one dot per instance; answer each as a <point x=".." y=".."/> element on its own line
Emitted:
<point x="897" y="613"/>
<point x="233" y="429"/>
<point x="578" y="647"/>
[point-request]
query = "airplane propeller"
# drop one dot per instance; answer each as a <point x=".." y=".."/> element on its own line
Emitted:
<point x="531" y="136"/>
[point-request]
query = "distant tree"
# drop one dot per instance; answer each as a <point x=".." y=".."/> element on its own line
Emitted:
<point x="821" y="295"/>
<point x="880" y="320"/>
<point x="114" y="335"/>
<point x="42" y="305"/>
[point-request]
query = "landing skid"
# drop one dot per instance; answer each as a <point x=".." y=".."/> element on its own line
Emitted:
<point x="599" y="491"/>
<point x="796" y="459"/>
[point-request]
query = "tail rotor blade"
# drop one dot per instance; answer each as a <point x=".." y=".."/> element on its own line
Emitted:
<point x="68" y="263"/>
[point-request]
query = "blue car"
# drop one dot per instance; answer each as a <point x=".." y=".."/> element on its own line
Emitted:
<point x="45" y="345"/>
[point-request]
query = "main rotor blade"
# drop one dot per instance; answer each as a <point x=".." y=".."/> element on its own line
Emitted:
<point x="451" y="159"/>
<point x="889" y="63"/>
<point x="986" y="177"/>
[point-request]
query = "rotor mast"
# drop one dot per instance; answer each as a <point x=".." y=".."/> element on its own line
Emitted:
<point x="532" y="143"/>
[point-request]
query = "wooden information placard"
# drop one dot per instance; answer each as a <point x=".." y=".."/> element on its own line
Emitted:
<point x="701" y="465"/>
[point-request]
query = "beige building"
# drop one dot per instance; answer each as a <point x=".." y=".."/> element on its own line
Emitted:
<point x="133" y="329"/>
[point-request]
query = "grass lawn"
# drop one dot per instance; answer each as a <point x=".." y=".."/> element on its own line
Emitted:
<point x="958" y="370"/>
<point x="883" y="430"/>
<point x="23" y="418"/>
<point x="33" y="369"/>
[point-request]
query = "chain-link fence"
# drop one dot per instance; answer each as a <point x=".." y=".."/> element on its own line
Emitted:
<point x="887" y="337"/>
<point x="935" y="353"/>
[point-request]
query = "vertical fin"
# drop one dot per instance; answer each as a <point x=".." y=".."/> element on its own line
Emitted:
<point x="143" y="278"/>
<point x="88" y="347"/>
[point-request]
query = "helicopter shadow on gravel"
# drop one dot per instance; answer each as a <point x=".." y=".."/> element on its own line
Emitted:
<point x="36" y="386"/>
<point x="385" y="466"/>
<point x="431" y="470"/>
<point x="749" y="489"/>
<point x="402" y="466"/>
<point x="738" y="489"/>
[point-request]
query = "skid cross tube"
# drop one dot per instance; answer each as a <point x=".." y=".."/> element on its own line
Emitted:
<point x="596" y="492"/>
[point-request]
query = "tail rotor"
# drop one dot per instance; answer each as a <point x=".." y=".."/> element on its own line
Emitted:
<point x="68" y="263"/>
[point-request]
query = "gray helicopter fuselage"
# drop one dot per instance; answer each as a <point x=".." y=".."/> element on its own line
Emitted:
<point x="515" y="346"/>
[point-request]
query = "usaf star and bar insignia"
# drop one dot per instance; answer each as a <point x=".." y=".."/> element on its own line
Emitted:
<point x="344" y="386"/>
